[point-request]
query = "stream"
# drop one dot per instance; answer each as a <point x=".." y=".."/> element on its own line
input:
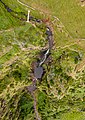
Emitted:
<point x="38" y="70"/>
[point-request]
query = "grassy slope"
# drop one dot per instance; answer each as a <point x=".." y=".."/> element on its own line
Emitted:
<point x="69" y="12"/>
<point x="6" y="20"/>
<point x="19" y="44"/>
<point x="62" y="88"/>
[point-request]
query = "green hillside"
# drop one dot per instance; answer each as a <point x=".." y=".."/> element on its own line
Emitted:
<point x="60" y="94"/>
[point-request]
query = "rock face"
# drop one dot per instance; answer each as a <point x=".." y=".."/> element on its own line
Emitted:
<point x="31" y="88"/>
<point x="38" y="72"/>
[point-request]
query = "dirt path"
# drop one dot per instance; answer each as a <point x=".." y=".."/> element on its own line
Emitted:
<point x="8" y="30"/>
<point x="80" y="66"/>
<point x="25" y="5"/>
<point x="52" y="16"/>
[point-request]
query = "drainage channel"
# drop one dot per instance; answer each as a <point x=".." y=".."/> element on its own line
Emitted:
<point x="38" y="70"/>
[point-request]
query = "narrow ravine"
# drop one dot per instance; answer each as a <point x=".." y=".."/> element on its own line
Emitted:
<point x="38" y="70"/>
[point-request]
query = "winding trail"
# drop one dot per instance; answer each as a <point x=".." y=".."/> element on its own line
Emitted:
<point x="8" y="30"/>
<point x="52" y="16"/>
<point x="25" y="5"/>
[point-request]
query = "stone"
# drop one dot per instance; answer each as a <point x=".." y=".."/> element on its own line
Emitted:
<point x="38" y="72"/>
<point x="31" y="88"/>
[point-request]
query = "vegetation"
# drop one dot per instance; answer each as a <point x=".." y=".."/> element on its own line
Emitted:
<point x="61" y="93"/>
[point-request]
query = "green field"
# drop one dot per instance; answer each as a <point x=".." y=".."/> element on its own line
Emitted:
<point x="61" y="93"/>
